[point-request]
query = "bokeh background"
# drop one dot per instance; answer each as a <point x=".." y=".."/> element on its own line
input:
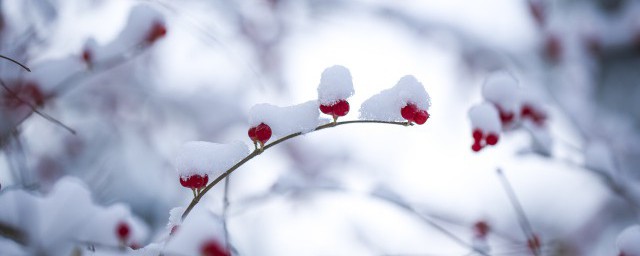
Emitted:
<point x="313" y="195"/>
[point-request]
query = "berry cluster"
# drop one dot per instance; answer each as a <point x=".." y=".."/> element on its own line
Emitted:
<point x="260" y="134"/>
<point x="213" y="248"/>
<point x="195" y="181"/>
<point x="481" y="139"/>
<point x="413" y="114"/>
<point x="22" y="91"/>
<point x="536" y="116"/>
<point x="337" y="109"/>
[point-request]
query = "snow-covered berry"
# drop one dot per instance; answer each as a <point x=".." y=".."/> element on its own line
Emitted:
<point x="492" y="139"/>
<point x="157" y="31"/>
<point x="486" y="125"/>
<point x="406" y="101"/>
<point x="261" y="133"/>
<point x="194" y="181"/>
<point x="123" y="231"/>
<point x="335" y="85"/>
<point x="481" y="229"/>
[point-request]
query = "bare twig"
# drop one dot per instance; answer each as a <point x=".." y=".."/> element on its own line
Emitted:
<point x="16" y="62"/>
<point x="12" y="233"/>
<point x="522" y="217"/>
<point x="34" y="109"/>
<point x="267" y="146"/>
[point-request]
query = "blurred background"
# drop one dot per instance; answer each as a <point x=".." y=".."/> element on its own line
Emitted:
<point x="319" y="194"/>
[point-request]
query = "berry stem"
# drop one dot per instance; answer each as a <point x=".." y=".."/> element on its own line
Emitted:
<point x="253" y="154"/>
<point x="194" y="193"/>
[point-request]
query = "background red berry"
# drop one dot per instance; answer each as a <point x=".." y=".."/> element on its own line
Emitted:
<point x="123" y="231"/>
<point x="158" y="30"/>
<point x="476" y="146"/>
<point x="477" y="134"/>
<point x="492" y="139"/>
<point x="213" y="248"/>
<point x="481" y="228"/>
<point x="194" y="181"/>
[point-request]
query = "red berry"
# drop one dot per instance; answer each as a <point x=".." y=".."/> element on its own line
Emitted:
<point x="534" y="243"/>
<point x="326" y="109"/>
<point x="536" y="8"/>
<point x="492" y="139"/>
<point x="87" y="56"/>
<point x="476" y="146"/>
<point x="409" y="112"/>
<point x="194" y="181"/>
<point x="477" y="134"/>
<point x="553" y="48"/>
<point x="341" y="108"/>
<point x="526" y="111"/>
<point x="506" y="117"/>
<point x="263" y="132"/>
<point x="158" y="30"/>
<point x="421" y="117"/>
<point x="135" y="246"/>
<point x="123" y="231"/>
<point x="252" y="134"/>
<point x="213" y="248"/>
<point x="481" y="228"/>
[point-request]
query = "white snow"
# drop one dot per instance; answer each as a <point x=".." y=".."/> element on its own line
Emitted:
<point x="198" y="228"/>
<point x="485" y="116"/>
<point x="65" y="216"/>
<point x="202" y="157"/>
<point x="629" y="241"/>
<point x="386" y="105"/>
<point x="283" y="121"/>
<point x="598" y="157"/>
<point x="50" y="73"/>
<point x="335" y="84"/>
<point x="502" y="88"/>
<point x="175" y="217"/>
<point x="140" y="22"/>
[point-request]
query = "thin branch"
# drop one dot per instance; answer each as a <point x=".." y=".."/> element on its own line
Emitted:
<point x="12" y="233"/>
<point x="522" y="217"/>
<point x="258" y="152"/>
<point x="98" y="67"/>
<point x="431" y="223"/>
<point x="34" y="109"/>
<point x="16" y="62"/>
<point x="225" y="207"/>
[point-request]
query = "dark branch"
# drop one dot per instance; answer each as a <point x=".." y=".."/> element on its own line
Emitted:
<point x="16" y="62"/>
<point x="258" y="152"/>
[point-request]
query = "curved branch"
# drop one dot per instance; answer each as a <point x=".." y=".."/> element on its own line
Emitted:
<point x="16" y="62"/>
<point x="267" y="146"/>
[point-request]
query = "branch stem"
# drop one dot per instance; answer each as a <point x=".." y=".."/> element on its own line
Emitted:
<point x="267" y="146"/>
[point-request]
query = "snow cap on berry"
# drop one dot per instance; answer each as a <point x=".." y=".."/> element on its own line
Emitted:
<point x="142" y="21"/>
<point x="335" y="84"/>
<point x="501" y="88"/>
<point x="286" y="120"/>
<point x="485" y="117"/>
<point x="387" y="105"/>
<point x="201" y="227"/>
<point x="201" y="157"/>
<point x="627" y="241"/>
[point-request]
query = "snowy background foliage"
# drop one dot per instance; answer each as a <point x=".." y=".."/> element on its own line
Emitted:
<point x="91" y="139"/>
